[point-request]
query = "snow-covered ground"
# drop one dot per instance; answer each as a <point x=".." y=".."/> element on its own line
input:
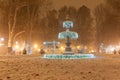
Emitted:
<point x="104" y="67"/>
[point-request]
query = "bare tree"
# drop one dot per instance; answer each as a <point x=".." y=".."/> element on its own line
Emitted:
<point x="35" y="10"/>
<point x="31" y="12"/>
<point x="84" y="23"/>
<point x="10" y="9"/>
<point x="107" y="21"/>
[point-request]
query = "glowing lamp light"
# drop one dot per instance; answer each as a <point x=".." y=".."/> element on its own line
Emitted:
<point x="16" y="46"/>
<point x="2" y="39"/>
<point x="21" y="49"/>
<point x="38" y="50"/>
<point x="16" y="42"/>
<point x="1" y="44"/>
<point x="62" y="48"/>
<point x="92" y="51"/>
<point x="78" y="47"/>
<point x="110" y="49"/>
<point x="35" y="46"/>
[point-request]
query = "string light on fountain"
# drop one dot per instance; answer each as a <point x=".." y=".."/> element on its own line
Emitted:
<point x="68" y="35"/>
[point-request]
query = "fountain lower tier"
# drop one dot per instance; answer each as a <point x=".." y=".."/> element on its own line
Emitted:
<point x="63" y="56"/>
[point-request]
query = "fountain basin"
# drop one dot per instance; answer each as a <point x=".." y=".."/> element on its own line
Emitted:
<point x="62" y="56"/>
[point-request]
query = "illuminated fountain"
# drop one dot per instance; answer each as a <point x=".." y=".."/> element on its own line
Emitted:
<point x="68" y="35"/>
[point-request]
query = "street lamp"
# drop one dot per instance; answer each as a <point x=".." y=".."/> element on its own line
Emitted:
<point x="78" y="47"/>
<point x="35" y="46"/>
<point x="17" y="47"/>
<point x="2" y="39"/>
<point x="62" y="48"/>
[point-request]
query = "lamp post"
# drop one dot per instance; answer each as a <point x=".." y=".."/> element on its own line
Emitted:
<point x="2" y="41"/>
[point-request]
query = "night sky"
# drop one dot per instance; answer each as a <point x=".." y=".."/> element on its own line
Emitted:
<point x="76" y="3"/>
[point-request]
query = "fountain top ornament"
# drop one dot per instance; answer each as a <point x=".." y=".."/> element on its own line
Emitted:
<point x="68" y="24"/>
